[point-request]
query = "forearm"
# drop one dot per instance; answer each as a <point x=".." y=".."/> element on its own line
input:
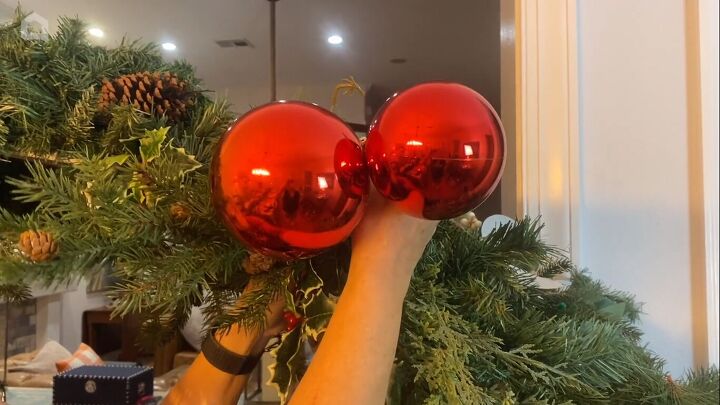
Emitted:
<point x="354" y="360"/>
<point x="205" y="384"/>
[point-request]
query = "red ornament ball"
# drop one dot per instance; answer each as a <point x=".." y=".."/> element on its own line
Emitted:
<point x="289" y="179"/>
<point x="436" y="149"/>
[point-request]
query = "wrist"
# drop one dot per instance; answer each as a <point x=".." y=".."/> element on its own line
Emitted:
<point x="228" y="361"/>
<point x="243" y="342"/>
<point x="389" y="269"/>
<point x="382" y="280"/>
<point x="259" y="347"/>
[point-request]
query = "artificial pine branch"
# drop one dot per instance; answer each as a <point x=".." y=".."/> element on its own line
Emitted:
<point x="46" y="101"/>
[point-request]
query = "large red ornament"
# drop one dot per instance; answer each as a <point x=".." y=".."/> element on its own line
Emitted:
<point x="289" y="179"/>
<point x="437" y="149"/>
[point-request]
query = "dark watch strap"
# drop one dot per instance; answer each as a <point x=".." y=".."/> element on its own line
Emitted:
<point x="227" y="361"/>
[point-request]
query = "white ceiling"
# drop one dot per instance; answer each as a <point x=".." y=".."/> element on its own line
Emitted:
<point x="441" y="39"/>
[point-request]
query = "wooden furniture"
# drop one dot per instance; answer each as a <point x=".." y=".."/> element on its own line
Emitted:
<point x="104" y="333"/>
<point x="164" y="355"/>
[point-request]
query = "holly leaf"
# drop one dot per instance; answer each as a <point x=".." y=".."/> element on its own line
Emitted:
<point x="139" y="189"/>
<point x="115" y="160"/>
<point x="311" y="283"/>
<point x="289" y="300"/>
<point x="289" y="364"/>
<point x="151" y="144"/>
<point x="179" y="158"/>
<point x="332" y="267"/>
<point x="318" y="312"/>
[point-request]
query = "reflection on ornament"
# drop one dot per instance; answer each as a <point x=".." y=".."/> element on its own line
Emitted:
<point x="322" y="183"/>
<point x="260" y="172"/>
<point x="289" y="179"/>
<point x="437" y="149"/>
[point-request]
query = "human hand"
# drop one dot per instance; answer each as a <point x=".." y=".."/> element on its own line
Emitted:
<point x="389" y="239"/>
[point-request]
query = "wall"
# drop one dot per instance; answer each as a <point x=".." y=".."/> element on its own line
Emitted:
<point x="59" y="315"/>
<point x="349" y="108"/>
<point x="634" y="164"/>
<point x="74" y="303"/>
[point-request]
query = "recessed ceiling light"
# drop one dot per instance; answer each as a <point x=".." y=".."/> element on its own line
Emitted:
<point x="169" y="46"/>
<point x="335" y="39"/>
<point x="96" y="32"/>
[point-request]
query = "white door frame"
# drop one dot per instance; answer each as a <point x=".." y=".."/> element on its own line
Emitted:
<point x="547" y="117"/>
<point x="547" y="138"/>
<point x="702" y="44"/>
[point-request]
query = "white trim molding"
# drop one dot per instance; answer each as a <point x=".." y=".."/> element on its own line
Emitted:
<point x="708" y="24"/>
<point x="547" y="117"/>
<point x="701" y="40"/>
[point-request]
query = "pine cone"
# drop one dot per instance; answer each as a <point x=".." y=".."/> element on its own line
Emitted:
<point x="38" y="246"/>
<point x="179" y="212"/>
<point x="162" y="93"/>
<point x="257" y="263"/>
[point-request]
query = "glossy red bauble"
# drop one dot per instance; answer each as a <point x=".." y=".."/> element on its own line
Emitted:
<point x="289" y="179"/>
<point x="437" y="149"/>
<point x="291" y="320"/>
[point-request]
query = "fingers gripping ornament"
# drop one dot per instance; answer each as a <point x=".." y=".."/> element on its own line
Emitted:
<point x="289" y="179"/>
<point x="436" y="149"/>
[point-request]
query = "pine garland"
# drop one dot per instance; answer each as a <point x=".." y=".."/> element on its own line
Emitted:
<point x="135" y="194"/>
<point x="49" y="90"/>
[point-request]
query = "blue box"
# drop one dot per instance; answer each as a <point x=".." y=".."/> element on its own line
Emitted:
<point x="103" y="385"/>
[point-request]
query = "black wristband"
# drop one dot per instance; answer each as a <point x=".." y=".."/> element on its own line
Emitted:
<point x="227" y="361"/>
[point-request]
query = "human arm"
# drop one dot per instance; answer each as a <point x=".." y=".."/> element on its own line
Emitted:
<point x="354" y="361"/>
<point x="204" y="384"/>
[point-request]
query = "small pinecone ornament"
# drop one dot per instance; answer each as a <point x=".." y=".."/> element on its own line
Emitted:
<point x="257" y="263"/>
<point x="179" y="212"/>
<point x="38" y="246"/>
<point x="163" y="93"/>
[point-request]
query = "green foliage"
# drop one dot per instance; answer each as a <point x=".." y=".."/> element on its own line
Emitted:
<point x="456" y="348"/>
<point x="116" y="209"/>
<point x="12" y="293"/>
<point x="476" y="329"/>
<point x="48" y="89"/>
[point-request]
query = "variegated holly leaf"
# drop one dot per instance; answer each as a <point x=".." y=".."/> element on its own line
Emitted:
<point x="290" y="301"/>
<point x="177" y="157"/>
<point x="115" y="160"/>
<point x="332" y="267"/>
<point x="318" y="311"/>
<point x="151" y="144"/>
<point x="289" y="364"/>
<point x="139" y="189"/>
<point x="310" y="284"/>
